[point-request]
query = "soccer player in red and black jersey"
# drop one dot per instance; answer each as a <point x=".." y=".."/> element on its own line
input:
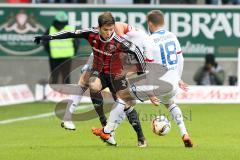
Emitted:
<point x="107" y="70"/>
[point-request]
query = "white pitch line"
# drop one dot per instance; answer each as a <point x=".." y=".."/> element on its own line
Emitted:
<point x="49" y="114"/>
<point x="27" y="118"/>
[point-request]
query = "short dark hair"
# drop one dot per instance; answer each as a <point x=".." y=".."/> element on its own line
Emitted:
<point x="156" y="17"/>
<point x="106" y="18"/>
<point x="210" y="59"/>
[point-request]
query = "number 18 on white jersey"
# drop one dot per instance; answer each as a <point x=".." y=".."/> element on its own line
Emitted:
<point x="167" y="48"/>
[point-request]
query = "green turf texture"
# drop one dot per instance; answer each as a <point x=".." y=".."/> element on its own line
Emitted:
<point x="214" y="130"/>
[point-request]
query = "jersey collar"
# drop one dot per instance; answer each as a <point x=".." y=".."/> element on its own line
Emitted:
<point x="109" y="39"/>
<point x="160" y="30"/>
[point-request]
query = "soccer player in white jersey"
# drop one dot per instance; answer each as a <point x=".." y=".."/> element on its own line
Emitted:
<point x="170" y="55"/>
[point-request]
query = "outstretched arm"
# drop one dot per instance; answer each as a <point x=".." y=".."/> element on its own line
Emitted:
<point x="65" y="35"/>
<point x="62" y="35"/>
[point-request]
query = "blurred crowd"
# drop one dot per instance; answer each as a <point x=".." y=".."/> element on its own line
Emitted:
<point x="128" y="2"/>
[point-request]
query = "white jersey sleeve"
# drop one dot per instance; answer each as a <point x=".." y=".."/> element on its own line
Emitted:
<point x="178" y="47"/>
<point x="143" y="41"/>
<point x="89" y="63"/>
<point x="180" y="58"/>
<point x="180" y="65"/>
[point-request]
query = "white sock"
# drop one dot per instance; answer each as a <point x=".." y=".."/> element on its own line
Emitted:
<point x="117" y="115"/>
<point x="75" y="99"/>
<point x="178" y="118"/>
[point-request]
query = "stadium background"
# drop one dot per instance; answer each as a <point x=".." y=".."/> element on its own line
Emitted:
<point x="194" y="38"/>
<point x="214" y="127"/>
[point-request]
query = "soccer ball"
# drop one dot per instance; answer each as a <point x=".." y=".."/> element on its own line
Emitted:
<point x="161" y="125"/>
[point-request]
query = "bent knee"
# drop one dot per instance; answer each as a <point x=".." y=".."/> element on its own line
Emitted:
<point x="84" y="78"/>
<point x="95" y="84"/>
<point x="126" y="97"/>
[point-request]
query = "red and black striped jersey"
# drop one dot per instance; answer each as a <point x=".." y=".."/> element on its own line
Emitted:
<point x="107" y="53"/>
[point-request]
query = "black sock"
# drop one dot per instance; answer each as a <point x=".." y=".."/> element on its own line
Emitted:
<point x="134" y="121"/>
<point x="97" y="101"/>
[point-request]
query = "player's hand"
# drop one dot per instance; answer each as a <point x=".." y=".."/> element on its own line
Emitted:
<point x="155" y="101"/>
<point x="39" y="39"/>
<point x="183" y="85"/>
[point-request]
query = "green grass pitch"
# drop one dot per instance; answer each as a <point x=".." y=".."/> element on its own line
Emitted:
<point x="214" y="130"/>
